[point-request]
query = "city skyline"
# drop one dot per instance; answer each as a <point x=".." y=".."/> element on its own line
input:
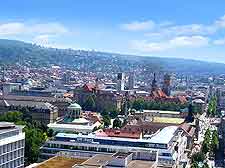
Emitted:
<point x="193" y="30"/>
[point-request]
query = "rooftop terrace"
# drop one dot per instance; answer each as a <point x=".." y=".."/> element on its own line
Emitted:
<point x="60" y="162"/>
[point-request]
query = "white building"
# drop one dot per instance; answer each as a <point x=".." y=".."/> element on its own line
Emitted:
<point x="120" y="81"/>
<point x="12" y="145"/>
<point x="169" y="144"/>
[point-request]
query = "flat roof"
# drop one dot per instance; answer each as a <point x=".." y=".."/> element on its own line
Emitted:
<point x="168" y="120"/>
<point x="60" y="162"/>
<point x="164" y="136"/>
<point x="161" y="111"/>
<point x="98" y="160"/>
<point x="140" y="163"/>
<point x="71" y="126"/>
<point x="122" y="155"/>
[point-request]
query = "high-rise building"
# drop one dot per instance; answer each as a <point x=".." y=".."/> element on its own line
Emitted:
<point x="120" y="81"/>
<point x="12" y="145"/>
<point x="131" y="81"/>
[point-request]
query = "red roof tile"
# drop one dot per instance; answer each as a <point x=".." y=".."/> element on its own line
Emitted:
<point x="119" y="133"/>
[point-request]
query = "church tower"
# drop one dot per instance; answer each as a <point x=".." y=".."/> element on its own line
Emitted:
<point x="166" y="84"/>
<point x="154" y="83"/>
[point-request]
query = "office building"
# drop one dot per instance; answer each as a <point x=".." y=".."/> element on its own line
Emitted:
<point x="169" y="144"/>
<point x="39" y="111"/>
<point x="120" y="81"/>
<point x="12" y="145"/>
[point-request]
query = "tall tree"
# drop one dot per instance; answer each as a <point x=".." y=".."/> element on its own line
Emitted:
<point x="106" y="120"/>
<point x="90" y="103"/>
<point x="117" y="123"/>
<point x="214" y="141"/>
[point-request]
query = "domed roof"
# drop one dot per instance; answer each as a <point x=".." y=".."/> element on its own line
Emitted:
<point x="74" y="106"/>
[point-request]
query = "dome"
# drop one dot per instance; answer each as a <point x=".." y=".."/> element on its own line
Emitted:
<point x="74" y="106"/>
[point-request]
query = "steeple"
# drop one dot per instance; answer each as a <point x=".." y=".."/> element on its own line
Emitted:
<point x="154" y="83"/>
<point x="166" y="84"/>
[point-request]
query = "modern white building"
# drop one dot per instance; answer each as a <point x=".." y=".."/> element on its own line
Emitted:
<point x="120" y="81"/>
<point x="169" y="144"/>
<point x="12" y="145"/>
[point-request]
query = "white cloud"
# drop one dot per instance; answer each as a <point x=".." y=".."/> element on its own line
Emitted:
<point x="177" y="42"/>
<point x="189" y="29"/>
<point x="19" y="28"/>
<point x="139" y="26"/>
<point x="12" y="28"/>
<point x="219" y="41"/>
<point x="48" y="28"/>
<point x="145" y="46"/>
<point x="169" y="29"/>
<point x="220" y="23"/>
<point x="189" y="41"/>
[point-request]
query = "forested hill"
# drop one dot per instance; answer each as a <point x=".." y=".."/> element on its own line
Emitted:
<point x="12" y="52"/>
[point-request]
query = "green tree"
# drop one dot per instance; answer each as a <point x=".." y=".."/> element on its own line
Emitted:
<point x="26" y="114"/>
<point x="12" y="116"/>
<point x="106" y="120"/>
<point x="50" y="132"/>
<point x="113" y="113"/>
<point x="206" y="142"/>
<point x="34" y="138"/>
<point x="205" y="165"/>
<point x="90" y="103"/>
<point x="194" y="165"/>
<point x="205" y="147"/>
<point x="214" y="141"/>
<point x="198" y="157"/>
<point x="212" y="107"/>
<point x="138" y="104"/>
<point x="117" y="123"/>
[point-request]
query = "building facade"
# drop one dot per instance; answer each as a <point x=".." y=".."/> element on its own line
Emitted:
<point x="169" y="144"/>
<point x="39" y="111"/>
<point x="12" y="146"/>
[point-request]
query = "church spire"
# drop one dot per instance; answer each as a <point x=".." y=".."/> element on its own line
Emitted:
<point x="154" y="83"/>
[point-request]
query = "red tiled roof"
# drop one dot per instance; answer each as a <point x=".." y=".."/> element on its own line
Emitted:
<point x="158" y="94"/>
<point x="119" y="133"/>
<point x="92" y="116"/>
<point x="89" y="87"/>
<point x="182" y="99"/>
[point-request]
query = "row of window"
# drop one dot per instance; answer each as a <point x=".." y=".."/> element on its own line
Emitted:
<point x="114" y="142"/>
<point x="83" y="148"/>
<point x="11" y="155"/>
<point x="9" y="134"/>
<point x="14" y="163"/>
<point x="11" y="146"/>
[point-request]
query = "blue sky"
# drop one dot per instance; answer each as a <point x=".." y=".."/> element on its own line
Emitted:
<point x="166" y="28"/>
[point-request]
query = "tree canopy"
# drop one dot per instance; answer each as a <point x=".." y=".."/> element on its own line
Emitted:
<point x="212" y="107"/>
<point x="141" y="104"/>
<point x="117" y="123"/>
<point x="90" y="103"/>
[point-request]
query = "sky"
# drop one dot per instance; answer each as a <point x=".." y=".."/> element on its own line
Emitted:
<point x="192" y="29"/>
